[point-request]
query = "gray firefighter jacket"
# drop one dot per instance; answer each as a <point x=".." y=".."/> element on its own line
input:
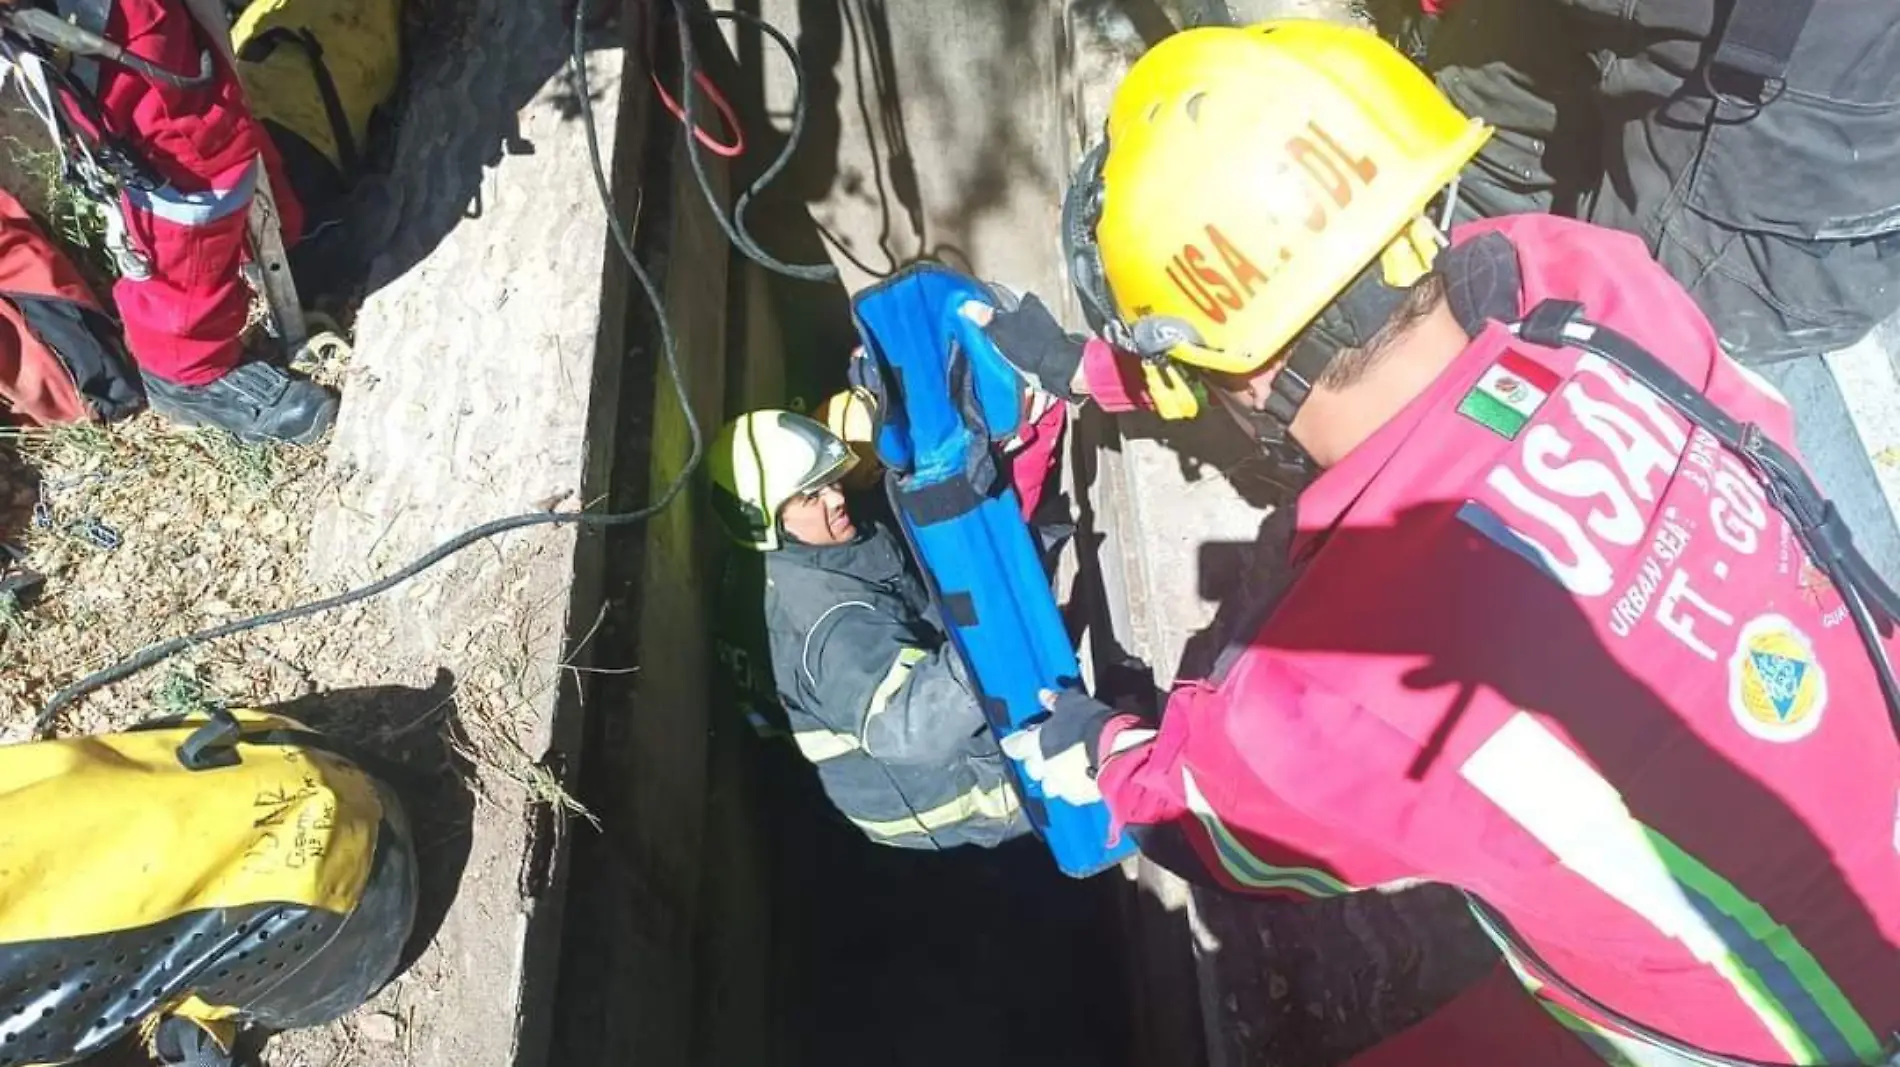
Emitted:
<point x="877" y="699"/>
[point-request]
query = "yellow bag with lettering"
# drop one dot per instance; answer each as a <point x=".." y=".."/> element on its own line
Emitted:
<point x="190" y="879"/>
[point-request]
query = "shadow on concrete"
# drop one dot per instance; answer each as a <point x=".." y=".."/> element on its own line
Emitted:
<point x="1244" y="581"/>
<point x="419" y="730"/>
<point x="1211" y="446"/>
<point x="1317" y="983"/>
<point x="814" y="317"/>
<point x="858" y="32"/>
<point x="836" y="37"/>
<point x="1121" y="677"/>
<point x="470" y="68"/>
<point x="1006" y="156"/>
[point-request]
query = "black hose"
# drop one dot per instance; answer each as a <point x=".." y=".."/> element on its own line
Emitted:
<point x="1853" y="597"/>
<point x="735" y="227"/>
<point x="151" y="655"/>
<point x="46" y="31"/>
<point x="153" y="72"/>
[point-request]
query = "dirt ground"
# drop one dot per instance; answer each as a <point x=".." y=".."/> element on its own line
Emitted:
<point x="120" y="573"/>
<point x="209" y="530"/>
<point x="145" y="531"/>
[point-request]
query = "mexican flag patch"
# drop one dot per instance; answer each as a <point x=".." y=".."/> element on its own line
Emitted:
<point x="1508" y="393"/>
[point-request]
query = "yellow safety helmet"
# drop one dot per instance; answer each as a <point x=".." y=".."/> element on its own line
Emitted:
<point x="851" y="416"/>
<point x="1248" y="178"/>
<point x="761" y="460"/>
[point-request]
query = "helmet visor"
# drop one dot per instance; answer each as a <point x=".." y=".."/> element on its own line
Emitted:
<point x="828" y="470"/>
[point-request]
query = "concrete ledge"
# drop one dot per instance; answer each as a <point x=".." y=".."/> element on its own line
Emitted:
<point x="634" y="975"/>
<point x="477" y="382"/>
<point x="1869" y="377"/>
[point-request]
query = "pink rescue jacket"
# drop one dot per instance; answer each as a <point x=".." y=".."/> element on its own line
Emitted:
<point x="1551" y="645"/>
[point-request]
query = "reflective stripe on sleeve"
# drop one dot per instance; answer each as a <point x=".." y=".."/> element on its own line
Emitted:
<point x="997" y="802"/>
<point x="894" y="680"/>
<point x="1555" y="796"/>
<point x="1248" y="869"/>
<point x="821" y="745"/>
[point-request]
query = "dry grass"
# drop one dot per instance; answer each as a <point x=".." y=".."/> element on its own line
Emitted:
<point x="212" y="530"/>
<point x="208" y="529"/>
<point x="75" y="223"/>
<point x="506" y="678"/>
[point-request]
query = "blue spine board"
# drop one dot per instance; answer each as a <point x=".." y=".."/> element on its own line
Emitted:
<point x="948" y="393"/>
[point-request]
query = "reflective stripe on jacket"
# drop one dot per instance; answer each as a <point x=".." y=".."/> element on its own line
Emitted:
<point x="1551" y="645"/>
<point x="877" y="701"/>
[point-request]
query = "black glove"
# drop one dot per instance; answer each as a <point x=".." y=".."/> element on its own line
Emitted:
<point x="1060" y="753"/>
<point x="1037" y="345"/>
<point x="1076" y="719"/>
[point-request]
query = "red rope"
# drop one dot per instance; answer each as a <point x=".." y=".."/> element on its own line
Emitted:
<point x="707" y="89"/>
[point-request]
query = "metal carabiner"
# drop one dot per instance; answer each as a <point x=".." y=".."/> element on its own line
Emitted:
<point x="98" y="533"/>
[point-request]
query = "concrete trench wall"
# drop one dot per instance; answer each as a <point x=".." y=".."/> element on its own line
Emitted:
<point x="934" y="130"/>
<point x="508" y="359"/>
<point x="914" y="149"/>
<point x="477" y="390"/>
<point x="944" y="131"/>
<point x="630" y="966"/>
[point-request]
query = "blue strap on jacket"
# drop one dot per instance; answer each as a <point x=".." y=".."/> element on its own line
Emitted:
<point x="944" y="395"/>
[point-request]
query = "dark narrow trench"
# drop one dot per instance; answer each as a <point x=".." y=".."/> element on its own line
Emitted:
<point x="881" y="955"/>
<point x="923" y="959"/>
<point x="728" y="915"/>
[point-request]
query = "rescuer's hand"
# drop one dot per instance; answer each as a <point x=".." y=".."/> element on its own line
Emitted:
<point x="1048" y="356"/>
<point x="1062" y="752"/>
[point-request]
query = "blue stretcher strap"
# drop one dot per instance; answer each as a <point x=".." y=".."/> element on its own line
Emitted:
<point x="945" y="394"/>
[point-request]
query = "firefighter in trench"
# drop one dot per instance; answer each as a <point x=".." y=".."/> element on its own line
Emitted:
<point x="877" y="699"/>
<point x="1542" y="638"/>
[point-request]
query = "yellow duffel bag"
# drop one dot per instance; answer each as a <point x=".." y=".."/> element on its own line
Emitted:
<point x="189" y="879"/>
<point x="314" y="73"/>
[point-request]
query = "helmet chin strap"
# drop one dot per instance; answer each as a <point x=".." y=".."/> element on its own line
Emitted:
<point x="1351" y="321"/>
<point x="1289" y="466"/>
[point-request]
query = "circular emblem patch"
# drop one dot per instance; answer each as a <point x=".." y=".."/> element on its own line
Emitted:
<point x="1776" y="687"/>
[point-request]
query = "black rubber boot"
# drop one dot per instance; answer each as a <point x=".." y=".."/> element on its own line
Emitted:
<point x="254" y="402"/>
